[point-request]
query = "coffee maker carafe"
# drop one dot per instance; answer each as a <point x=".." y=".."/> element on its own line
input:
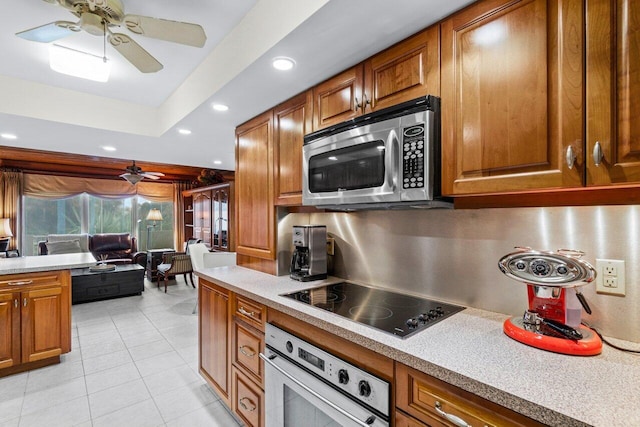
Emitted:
<point x="309" y="259"/>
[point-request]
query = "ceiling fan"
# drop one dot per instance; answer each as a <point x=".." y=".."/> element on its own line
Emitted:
<point x="135" y="174"/>
<point x="98" y="17"/>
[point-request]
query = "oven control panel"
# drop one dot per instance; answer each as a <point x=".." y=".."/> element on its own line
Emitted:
<point x="359" y="384"/>
<point x="413" y="156"/>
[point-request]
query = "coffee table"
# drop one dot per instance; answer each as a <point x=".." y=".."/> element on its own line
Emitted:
<point x="125" y="280"/>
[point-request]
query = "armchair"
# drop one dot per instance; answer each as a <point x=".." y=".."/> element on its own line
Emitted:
<point x="174" y="263"/>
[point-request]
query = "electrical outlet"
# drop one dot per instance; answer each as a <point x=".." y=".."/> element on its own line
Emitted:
<point x="331" y="246"/>
<point x="610" y="277"/>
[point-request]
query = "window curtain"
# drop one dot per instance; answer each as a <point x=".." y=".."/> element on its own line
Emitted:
<point x="178" y="212"/>
<point x="57" y="187"/>
<point x="11" y="183"/>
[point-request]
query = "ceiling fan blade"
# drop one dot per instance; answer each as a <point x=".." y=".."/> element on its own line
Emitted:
<point x="155" y="173"/>
<point x="147" y="175"/>
<point x="134" y="53"/>
<point x="49" y="32"/>
<point x="163" y="29"/>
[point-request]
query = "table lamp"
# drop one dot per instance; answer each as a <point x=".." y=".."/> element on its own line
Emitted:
<point x="5" y="234"/>
<point x="154" y="215"/>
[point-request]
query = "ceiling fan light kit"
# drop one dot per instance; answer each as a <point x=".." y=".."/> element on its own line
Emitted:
<point x="99" y="17"/>
<point x="135" y="174"/>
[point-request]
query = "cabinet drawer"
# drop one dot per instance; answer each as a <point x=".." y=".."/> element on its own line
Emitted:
<point x="248" y="344"/>
<point x="428" y="399"/>
<point x="248" y="400"/>
<point x="250" y="311"/>
<point x="403" y="420"/>
<point x="18" y="281"/>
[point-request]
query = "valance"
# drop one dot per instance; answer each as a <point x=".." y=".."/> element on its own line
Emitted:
<point x="58" y="187"/>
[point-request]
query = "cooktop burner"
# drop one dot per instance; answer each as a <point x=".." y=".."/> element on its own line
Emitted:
<point x="392" y="312"/>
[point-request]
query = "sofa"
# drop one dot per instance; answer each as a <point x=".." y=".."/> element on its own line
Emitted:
<point x="113" y="247"/>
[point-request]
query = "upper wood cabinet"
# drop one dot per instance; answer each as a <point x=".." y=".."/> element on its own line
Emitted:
<point x="292" y="120"/>
<point x="405" y="71"/>
<point x="210" y="215"/>
<point x="613" y="91"/>
<point x="255" y="211"/>
<point x="202" y="216"/>
<point x="512" y="96"/>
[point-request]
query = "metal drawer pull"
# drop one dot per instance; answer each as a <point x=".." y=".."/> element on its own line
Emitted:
<point x="597" y="154"/>
<point x="20" y="283"/>
<point x="245" y="407"/>
<point x="451" y="418"/>
<point x="251" y="352"/>
<point x="246" y="313"/>
<point x="315" y="394"/>
<point x="570" y="157"/>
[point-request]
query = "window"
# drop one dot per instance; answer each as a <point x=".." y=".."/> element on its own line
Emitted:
<point x="94" y="215"/>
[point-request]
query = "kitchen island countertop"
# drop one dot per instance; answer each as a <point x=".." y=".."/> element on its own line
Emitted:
<point x="470" y="351"/>
<point x="31" y="264"/>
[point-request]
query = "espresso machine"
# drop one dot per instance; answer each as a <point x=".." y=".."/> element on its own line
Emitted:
<point x="309" y="259"/>
<point x="553" y="321"/>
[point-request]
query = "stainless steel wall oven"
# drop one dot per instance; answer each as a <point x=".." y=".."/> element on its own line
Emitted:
<point x="307" y="386"/>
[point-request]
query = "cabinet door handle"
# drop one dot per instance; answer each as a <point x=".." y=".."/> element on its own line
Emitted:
<point x="597" y="154"/>
<point x="249" y="353"/>
<point x="15" y="303"/>
<point x="20" y="283"/>
<point x="24" y="302"/>
<point x="247" y="408"/>
<point x="246" y="313"/>
<point x="449" y="417"/>
<point x="366" y="101"/>
<point x="358" y="104"/>
<point x="570" y="157"/>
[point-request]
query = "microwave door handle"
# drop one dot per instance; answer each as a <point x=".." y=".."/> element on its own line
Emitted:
<point x="395" y="159"/>
<point x="306" y="388"/>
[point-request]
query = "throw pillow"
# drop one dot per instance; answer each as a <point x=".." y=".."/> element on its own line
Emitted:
<point x="63" y="247"/>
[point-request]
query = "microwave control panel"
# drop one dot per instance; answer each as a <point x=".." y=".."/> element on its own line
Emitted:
<point x="413" y="156"/>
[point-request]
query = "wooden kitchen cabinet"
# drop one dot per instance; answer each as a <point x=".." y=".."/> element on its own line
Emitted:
<point x="202" y="216"/>
<point x="405" y="71"/>
<point x="35" y="310"/>
<point x="293" y="119"/>
<point x="612" y="91"/>
<point x="255" y="208"/>
<point x="512" y="96"/>
<point x="214" y="328"/>
<point x="248" y="400"/>
<point x="429" y="400"/>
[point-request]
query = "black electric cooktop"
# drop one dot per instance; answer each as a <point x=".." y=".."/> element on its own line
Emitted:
<point x="399" y="314"/>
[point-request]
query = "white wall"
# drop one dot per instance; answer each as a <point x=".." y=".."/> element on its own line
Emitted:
<point x="453" y="255"/>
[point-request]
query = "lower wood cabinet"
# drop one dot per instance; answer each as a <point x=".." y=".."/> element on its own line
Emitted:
<point x="35" y="320"/>
<point x="231" y="339"/>
<point x="436" y="403"/>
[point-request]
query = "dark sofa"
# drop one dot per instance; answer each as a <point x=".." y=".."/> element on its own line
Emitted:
<point x="114" y="247"/>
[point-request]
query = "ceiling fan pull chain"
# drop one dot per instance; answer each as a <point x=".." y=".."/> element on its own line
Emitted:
<point x="104" y="42"/>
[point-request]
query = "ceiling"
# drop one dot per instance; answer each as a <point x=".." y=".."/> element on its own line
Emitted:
<point x="139" y="114"/>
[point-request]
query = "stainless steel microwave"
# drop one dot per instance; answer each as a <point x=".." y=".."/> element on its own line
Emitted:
<point x="383" y="160"/>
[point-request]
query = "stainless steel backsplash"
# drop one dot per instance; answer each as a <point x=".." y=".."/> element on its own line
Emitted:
<point x="452" y="255"/>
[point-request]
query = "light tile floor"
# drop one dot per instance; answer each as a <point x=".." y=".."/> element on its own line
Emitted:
<point x="134" y="362"/>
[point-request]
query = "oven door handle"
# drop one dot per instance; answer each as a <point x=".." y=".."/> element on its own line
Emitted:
<point x="366" y="423"/>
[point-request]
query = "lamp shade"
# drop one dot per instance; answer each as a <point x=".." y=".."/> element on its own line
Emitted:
<point x="5" y="228"/>
<point x="154" y="215"/>
<point x="132" y="178"/>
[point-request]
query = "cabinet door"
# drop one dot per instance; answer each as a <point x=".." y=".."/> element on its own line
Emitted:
<point x="613" y="91"/>
<point x="255" y="212"/>
<point x="42" y="324"/>
<point x="512" y="96"/>
<point x="339" y="98"/>
<point x="202" y="217"/>
<point x="248" y="400"/>
<point x="403" y="72"/>
<point x="214" y="336"/>
<point x="9" y="329"/>
<point x="292" y="120"/>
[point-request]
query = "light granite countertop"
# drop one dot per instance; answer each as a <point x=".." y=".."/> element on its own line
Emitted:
<point x="31" y="264"/>
<point x="469" y="350"/>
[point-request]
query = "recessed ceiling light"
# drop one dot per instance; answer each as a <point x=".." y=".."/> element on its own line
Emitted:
<point x="184" y="131"/>
<point x="108" y="148"/>
<point x="220" y="107"/>
<point x="217" y="162"/>
<point x="8" y="136"/>
<point x="283" y="63"/>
